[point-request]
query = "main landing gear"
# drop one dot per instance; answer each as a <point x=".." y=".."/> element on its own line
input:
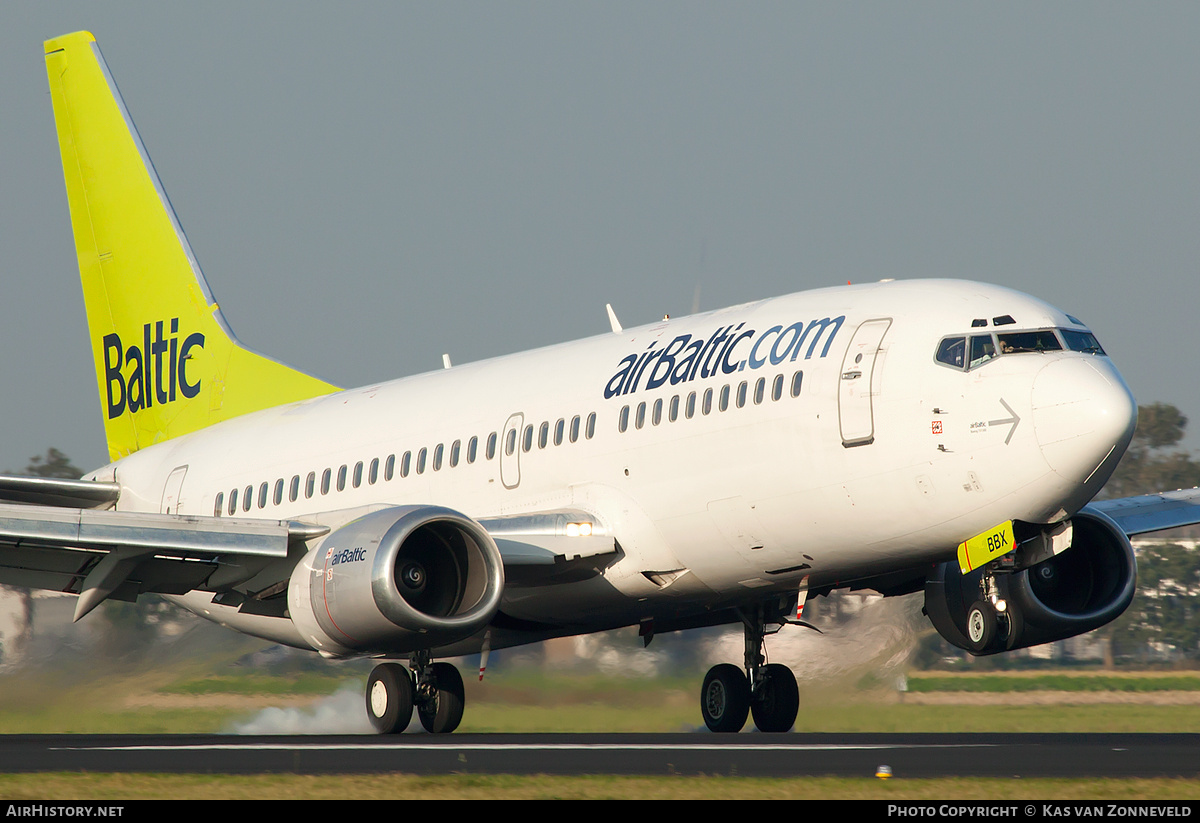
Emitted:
<point x="434" y="689"/>
<point x="767" y="692"/>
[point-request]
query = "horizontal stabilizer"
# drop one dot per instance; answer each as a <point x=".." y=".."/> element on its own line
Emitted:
<point x="54" y="491"/>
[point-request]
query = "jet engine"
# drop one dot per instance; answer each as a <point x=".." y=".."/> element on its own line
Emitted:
<point x="397" y="580"/>
<point x="1082" y="588"/>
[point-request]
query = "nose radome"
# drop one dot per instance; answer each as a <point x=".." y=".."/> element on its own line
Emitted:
<point x="1083" y="417"/>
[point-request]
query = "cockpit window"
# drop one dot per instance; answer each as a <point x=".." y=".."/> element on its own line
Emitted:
<point x="951" y="351"/>
<point x="1083" y="341"/>
<point x="1025" y="341"/>
<point x="966" y="353"/>
<point x="983" y="349"/>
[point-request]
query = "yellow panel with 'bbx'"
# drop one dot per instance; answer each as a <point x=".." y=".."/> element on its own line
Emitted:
<point x="985" y="547"/>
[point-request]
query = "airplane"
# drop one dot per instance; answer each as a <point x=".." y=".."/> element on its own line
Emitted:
<point x="935" y="436"/>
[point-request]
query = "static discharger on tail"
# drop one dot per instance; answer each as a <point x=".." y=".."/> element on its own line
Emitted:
<point x="722" y="468"/>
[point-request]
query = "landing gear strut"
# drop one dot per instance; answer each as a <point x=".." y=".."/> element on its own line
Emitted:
<point x="435" y="690"/>
<point x="768" y="692"/>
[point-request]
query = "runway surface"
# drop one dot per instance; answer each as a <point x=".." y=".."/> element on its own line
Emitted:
<point x="908" y="755"/>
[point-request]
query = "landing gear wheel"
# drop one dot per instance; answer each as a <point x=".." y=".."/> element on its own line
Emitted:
<point x="725" y="698"/>
<point x="389" y="698"/>
<point x="442" y="711"/>
<point x="776" y="703"/>
<point x="981" y="625"/>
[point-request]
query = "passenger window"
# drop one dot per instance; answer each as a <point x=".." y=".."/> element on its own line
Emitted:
<point x="951" y="351"/>
<point x="510" y="444"/>
<point x="690" y="409"/>
<point x="491" y="446"/>
<point x="797" y="383"/>
<point x="421" y="455"/>
<point x="219" y="504"/>
<point x="472" y="449"/>
<point x="777" y="387"/>
<point x="455" y="451"/>
<point x="356" y="478"/>
<point x="248" y="498"/>
<point x="294" y="490"/>
<point x="543" y="435"/>
<point x="341" y="483"/>
<point x="574" y="428"/>
<point x="591" y="425"/>
<point x="724" y="404"/>
<point x="233" y="502"/>
<point x="279" y="491"/>
<point x="373" y="474"/>
<point x="673" y="411"/>
<point x="528" y="442"/>
<point x="760" y="390"/>
<point x="741" y="394"/>
<point x="389" y="467"/>
<point x="310" y="485"/>
<point x="640" y="419"/>
<point x="405" y="465"/>
<point x="706" y="406"/>
<point x="262" y="494"/>
<point x="560" y="429"/>
<point x="657" y="411"/>
<point x="437" y="457"/>
<point x="325" y="478"/>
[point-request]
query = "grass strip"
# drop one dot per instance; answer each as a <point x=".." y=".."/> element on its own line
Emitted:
<point x="1053" y="683"/>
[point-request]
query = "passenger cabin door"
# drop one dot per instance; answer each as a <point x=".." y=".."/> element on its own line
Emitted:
<point x="859" y="383"/>
<point x="510" y="451"/>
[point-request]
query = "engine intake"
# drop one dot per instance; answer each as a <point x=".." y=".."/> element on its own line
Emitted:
<point x="1081" y="589"/>
<point x="397" y="580"/>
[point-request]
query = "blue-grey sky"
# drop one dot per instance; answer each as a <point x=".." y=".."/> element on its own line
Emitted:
<point x="368" y="185"/>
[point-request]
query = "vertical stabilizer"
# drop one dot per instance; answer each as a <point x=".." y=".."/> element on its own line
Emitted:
<point x="166" y="362"/>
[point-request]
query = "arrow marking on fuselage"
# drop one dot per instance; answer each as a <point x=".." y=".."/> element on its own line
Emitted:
<point x="1015" y="420"/>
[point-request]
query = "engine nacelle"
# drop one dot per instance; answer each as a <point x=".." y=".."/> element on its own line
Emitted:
<point x="1082" y="588"/>
<point x="397" y="580"/>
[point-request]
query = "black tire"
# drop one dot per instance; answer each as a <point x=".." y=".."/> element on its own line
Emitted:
<point x="443" y="713"/>
<point x="389" y="698"/>
<point x="777" y="702"/>
<point x="725" y="698"/>
<point x="981" y="625"/>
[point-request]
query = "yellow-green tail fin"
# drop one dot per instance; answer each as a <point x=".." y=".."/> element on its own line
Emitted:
<point x="166" y="361"/>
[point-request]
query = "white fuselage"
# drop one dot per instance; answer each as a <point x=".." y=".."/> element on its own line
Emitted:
<point x="885" y="459"/>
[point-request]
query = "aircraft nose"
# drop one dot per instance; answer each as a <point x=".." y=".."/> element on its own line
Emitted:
<point x="1083" y="416"/>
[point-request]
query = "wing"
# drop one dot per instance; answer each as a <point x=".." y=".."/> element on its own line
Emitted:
<point x="64" y="536"/>
<point x="1152" y="512"/>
